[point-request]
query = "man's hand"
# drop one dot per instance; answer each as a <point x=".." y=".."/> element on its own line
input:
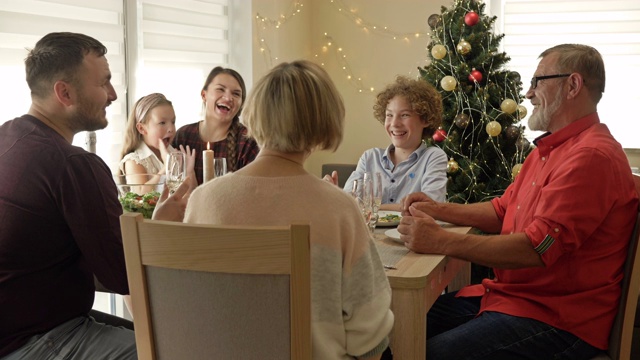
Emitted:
<point x="420" y="232"/>
<point x="419" y="201"/>
<point x="172" y="207"/>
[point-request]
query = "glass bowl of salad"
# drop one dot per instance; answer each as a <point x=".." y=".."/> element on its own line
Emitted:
<point x="140" y="192"/>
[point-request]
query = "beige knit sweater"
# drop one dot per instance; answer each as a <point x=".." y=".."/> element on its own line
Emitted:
<point x="350" y="293"/>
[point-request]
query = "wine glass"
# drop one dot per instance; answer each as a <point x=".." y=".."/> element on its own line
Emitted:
<point x="219" y="166"/>
<point x="176" y="170"/>
<point x="362" y="192"/>
<point x="376" y="197"/>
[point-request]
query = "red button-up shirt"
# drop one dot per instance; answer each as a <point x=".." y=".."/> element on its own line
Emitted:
<point x="576" y="201"/>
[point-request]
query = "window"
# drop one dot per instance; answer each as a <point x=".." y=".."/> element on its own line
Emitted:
<point x="170" y="47"/>
<point x="612" y="27"/>
<point x="24" y="22"/>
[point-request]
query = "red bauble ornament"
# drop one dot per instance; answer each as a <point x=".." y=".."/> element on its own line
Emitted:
<point x="439" y="135"/>
<point x="475" y="76"/>
<point x="471" y="18"/>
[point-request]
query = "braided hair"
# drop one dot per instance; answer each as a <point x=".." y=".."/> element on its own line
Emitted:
<point x="232" y="145"/>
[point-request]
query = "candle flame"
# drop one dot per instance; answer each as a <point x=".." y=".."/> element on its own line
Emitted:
<point x="208" y="146"/>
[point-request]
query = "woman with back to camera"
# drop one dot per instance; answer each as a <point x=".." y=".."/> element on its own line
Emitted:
<point x="292" y="111"/>
<point x="223" y="96"/>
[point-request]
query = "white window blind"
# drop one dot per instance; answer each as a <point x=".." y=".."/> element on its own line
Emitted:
<point x="172" y="49"/>
<point x="612" y="27"/>
<point x="24" y="22"/>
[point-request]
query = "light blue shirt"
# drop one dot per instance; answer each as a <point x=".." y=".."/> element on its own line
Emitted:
<point x="424" y="170"/>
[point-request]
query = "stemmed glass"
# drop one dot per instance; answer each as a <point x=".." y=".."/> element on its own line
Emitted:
<point x="363" y="193"/>
<point x="176" y="170"/>
<point x="376" y="194"/>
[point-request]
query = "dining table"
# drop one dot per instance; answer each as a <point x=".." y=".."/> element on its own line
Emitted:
<point x="416" y="281"/>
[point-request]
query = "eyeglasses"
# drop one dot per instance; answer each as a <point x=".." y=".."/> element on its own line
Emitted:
<point x="535" y="79"/>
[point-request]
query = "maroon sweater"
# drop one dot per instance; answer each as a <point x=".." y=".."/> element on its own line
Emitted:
<point x="59" y="225"/>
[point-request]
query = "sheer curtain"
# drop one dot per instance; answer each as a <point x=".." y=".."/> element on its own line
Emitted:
<point x="612" y="27"/>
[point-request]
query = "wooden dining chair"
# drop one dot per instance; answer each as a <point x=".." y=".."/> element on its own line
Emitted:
<point x="218" y="292"/>
<point x="621" y="337"/>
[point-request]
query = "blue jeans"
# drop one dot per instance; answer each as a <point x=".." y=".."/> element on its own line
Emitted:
<point x="454" y="332"/>
<point x="79" y="338"/>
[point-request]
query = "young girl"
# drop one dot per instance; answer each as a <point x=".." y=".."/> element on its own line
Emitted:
<point x="150" y="129"/>
<point x="410" y="110"/>
<point x="223" y="96"/>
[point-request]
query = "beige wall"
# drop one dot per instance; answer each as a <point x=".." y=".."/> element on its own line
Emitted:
<point x="374" y="57"/>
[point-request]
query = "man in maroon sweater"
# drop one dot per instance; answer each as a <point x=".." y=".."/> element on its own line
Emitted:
<point x="59" y="211"/>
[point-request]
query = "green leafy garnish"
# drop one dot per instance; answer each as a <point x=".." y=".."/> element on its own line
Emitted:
<point x="389" y="218"/>
<point x="144" y="204"/>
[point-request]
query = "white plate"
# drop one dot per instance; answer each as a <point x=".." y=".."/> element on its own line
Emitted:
<point x="383" y="213"/>
<point x="394" y="235"/>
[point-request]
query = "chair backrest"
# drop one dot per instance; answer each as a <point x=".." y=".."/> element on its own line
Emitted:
<point x="622" y="331"/>
<point x="344" y="171"/>
<point x="205" y="292"/>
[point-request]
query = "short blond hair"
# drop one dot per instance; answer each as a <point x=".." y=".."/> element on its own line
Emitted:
<point x="295" y="108"/>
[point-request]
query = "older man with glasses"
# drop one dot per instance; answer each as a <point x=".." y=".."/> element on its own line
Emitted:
<point x="564" y="226"/>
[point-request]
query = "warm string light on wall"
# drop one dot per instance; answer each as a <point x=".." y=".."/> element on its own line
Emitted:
<point x="341" y="56"/>
<point x="369" y="27"/>
<point x="264" y="23"/>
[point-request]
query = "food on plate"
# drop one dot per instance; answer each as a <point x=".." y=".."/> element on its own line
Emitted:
<point x="144" y="204"/>
<point x="389" y="218"/>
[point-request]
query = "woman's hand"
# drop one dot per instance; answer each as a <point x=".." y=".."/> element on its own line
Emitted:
<point x="333" y="178"/>
<point x="172" y="207"/>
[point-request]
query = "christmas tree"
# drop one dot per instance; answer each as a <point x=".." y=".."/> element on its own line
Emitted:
<point x="481" y="100"/>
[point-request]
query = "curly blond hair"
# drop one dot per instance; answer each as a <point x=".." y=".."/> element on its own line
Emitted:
<point x="425" y="100"/>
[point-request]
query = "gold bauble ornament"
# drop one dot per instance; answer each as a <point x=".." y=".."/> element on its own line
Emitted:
<point x="448" y="83"/>
<point x="438" y="51"/>
<point x="508" y="106"/>
<point x="493" y="128"/>
<point x="522" y="112"/>
<point x="515" y="170"/>
<point x="463" y="47"/>
<point x="452" y="166"/>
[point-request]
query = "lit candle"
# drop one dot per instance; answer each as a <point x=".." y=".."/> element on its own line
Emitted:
<point x="207" y="164"/>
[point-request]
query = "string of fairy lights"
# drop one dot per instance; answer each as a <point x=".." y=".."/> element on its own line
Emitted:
<point x="267" y="26"/>
<point x="329" y="45"/>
